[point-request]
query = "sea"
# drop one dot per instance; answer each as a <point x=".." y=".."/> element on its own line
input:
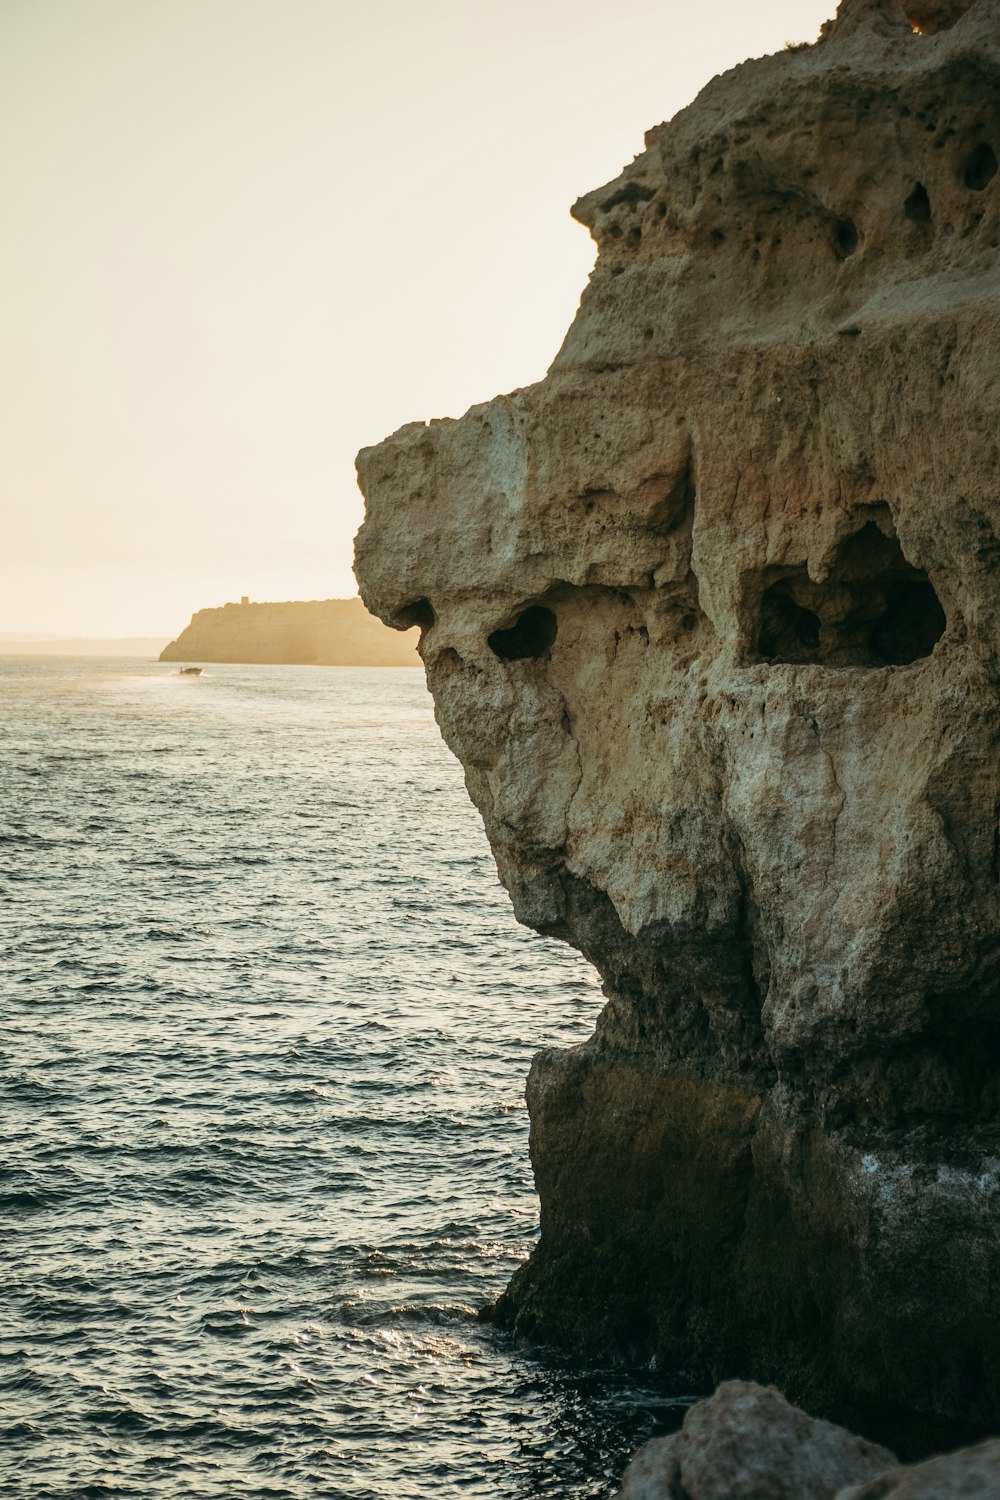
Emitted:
<point x="266" y="1017"/>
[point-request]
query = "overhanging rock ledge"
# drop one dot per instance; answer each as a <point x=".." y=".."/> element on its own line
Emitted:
<point x="711" y="617"/>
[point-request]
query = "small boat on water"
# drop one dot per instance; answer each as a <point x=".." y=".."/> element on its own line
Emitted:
<point x="192" y="671"/>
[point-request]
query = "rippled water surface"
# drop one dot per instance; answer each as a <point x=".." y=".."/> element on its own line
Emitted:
<point x="266" y="1021"/>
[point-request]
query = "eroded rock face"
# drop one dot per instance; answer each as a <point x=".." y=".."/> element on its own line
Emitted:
<point x="711" y="617"/>
<point x="748" y="1443"/>
<point x="969" y="1474"/>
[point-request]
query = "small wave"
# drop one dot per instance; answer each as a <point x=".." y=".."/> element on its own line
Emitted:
<point x="21" y="1083"/>
<point x="227" y="1325"/>
<point x="121" y="1417"/>
<point x="28" y="1200"/>
<point x="172" y="935"/>
<point x="22" y="1432"/>
<point x="405" y="1315"/>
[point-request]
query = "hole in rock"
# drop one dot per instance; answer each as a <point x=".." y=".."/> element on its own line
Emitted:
<point x="529" y="638"/>
<point x="873" y="610"/>
<point x="928" y="17"/>
<point x="981" y="167"/>
<point x="845" y="238"/>
<point x="788" y="631"/>
<point x="912" y="625"/>
<point x="632" y="193"/>
<point x="917" y="207"/>
<point x="419" y="612"/>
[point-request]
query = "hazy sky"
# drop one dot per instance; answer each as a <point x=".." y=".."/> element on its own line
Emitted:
<point x="245" y="237"/>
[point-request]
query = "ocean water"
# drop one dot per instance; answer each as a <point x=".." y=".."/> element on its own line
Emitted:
<point x="265" y="1018"/>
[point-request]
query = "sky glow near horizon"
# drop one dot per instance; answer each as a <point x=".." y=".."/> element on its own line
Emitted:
<point x="245" y="238"/>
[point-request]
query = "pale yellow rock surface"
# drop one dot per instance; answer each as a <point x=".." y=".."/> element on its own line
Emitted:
<point x="711" y="617"/>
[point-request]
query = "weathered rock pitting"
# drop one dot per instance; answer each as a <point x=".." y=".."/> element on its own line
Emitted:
<point x="711" y="617"/>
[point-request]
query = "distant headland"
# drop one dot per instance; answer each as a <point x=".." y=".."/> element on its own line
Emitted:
<point x="314" y="632"/>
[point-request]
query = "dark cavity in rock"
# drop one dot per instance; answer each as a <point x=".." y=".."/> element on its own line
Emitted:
<point x="632" y="193"/>
<point x="845" y="238"/>
<point x="874" y="610"/>
<point x="917" y="207"/>
<point x="530" y="637"/>
<point x="788" y="631"/>
<point x="981" y="167"/>
<point x="418" y="613"/>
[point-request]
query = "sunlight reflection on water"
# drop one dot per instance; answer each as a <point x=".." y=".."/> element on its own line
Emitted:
<point x="267" y="1017"/>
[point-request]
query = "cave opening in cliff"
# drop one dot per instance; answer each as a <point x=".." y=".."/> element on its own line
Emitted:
<point x="529" y="638"/>
<point x="419" y="613"/>
<point x="928" y="17"/>
<point x="912" y="624"/>
<point x="981" y="167"/>
<point x="788" y="631"/>
<point x="917" y="207"/>
<point x="873" y="609"/>
<point x="845" y="238"/>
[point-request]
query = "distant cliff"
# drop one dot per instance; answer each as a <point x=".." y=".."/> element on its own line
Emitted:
<point x="315" y="632"/>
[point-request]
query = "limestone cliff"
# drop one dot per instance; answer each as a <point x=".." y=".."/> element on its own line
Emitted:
<point x="317" y="632"/>
<point x="712" y="618"/>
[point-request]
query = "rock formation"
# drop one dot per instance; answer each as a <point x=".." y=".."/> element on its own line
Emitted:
<point x="711" y="617"/>
<point x="317" y="632"/>
<point x="748" y="1443"/>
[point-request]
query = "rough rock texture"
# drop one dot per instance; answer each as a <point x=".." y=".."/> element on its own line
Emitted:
<point x="748" y="1443"/>
<point x="969" y="1474"/>
<point x="317" y="632"/>
<point x="711" y="617"/>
